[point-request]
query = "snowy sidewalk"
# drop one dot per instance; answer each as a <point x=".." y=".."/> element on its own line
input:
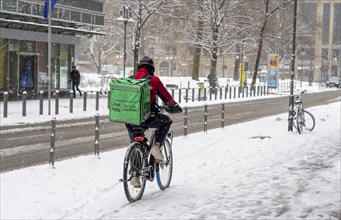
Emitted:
<point x="224" y="174"/>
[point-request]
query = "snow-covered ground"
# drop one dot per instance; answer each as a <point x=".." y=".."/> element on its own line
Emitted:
<point x="228" y="173"/>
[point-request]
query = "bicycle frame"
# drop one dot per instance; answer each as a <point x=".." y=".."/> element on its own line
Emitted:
<point x="304" y="119"/>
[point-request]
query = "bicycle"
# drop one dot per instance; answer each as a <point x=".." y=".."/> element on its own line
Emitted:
<point x="138" y="162"/>
<point x="304" y="120"/>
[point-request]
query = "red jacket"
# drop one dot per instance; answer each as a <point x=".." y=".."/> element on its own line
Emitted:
<point x="156" y="86"/>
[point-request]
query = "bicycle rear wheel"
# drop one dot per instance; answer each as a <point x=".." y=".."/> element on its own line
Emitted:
<point x="164" y="170"/>
<point x="133" y="167"/>
<point x="309" y="121"/>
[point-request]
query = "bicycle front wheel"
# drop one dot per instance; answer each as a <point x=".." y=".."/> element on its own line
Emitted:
<point x="309" y="121"/>
<point x="164" y="170"/>
<point x="133" y="165"/>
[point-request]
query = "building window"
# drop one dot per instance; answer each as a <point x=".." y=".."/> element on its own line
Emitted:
<point x="337" y="24"/>
<point x="64" y="65"/>
<point x="326" y="21"/>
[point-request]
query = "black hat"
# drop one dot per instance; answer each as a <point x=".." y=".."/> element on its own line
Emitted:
<point x="148" y="63"/>
<point x="73" y="67"/>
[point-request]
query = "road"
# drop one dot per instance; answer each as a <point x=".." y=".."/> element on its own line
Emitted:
<point x="23" y="145"/>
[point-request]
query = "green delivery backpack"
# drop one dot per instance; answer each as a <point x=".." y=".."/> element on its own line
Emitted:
<point x="129" y="100"/>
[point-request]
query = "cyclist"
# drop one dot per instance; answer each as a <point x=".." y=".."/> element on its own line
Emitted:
<point x="156" y="119"/>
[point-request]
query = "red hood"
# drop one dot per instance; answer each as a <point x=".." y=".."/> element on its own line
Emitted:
<point x="141" y="73"/>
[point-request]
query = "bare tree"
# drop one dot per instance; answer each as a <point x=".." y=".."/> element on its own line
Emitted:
<point x="142" y="10"/>
<point x="267" y="11"/>
<point x="100" y="47"/>
<point x="214" y="30"/>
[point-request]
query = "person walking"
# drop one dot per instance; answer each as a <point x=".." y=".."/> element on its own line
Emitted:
<point x="75" y="79"/>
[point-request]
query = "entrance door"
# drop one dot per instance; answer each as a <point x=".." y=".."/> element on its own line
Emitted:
<point x="27" y="73"/>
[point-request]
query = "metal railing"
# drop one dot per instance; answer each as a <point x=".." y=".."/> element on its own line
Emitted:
<point x="63" y="13"/>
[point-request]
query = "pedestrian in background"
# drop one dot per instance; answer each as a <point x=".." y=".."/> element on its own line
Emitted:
<point x="75" y="79"/>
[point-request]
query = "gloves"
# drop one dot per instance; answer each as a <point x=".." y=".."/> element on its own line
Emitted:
<point x="173" y="109"/>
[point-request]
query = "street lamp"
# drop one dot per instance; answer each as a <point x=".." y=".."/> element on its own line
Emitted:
<point x="125" y="17"/>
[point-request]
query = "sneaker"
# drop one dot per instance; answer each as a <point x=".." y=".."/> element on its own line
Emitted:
<point x="156" y="152"/>
<point x="135" y="181"/>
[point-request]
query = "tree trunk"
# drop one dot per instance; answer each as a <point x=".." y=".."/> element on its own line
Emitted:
<point x="197" y="51"/>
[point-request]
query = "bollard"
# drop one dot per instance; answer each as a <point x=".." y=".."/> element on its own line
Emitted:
<point x="221" y="93"/>
<point x="239" y="91"/>
<point x="180" y="95"/>
<point x="24" y="97"/>
<point x="199" y="94"/>
<point x="247" y="91"/>
<point x="210" y="89"/>
<point x="97" y="101"/>
<point x="205" y="119"/>
<point x="57" y="102"/>
<point x="185" y="123"/>
<point x="205" y="94"/>
<point x="41" y="102"/>
<point x="108" y="100"/>
<point x="193" y="94"/>
<point x="243" y="94"/>
<point x="172" y="93"/>
<point x="5" y="104"/>
<point x="53" y="139"/>
<point x="222" y="115"/>
<point x="230" y="92"/>
<point x="71" y="101"/>
<point x="85" y="94"/>
<point x="186" y="95"/>
<point x="234" y="92"/>
<point x="226" y="90"/>
<point x="97" y="135"/>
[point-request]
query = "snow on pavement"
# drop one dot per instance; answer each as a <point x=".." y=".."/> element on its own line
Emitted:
<point x="227" y="173"/>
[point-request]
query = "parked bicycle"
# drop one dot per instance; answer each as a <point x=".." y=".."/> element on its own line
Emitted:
<point x="139" y="163"/>
<point x="303" y="120"/>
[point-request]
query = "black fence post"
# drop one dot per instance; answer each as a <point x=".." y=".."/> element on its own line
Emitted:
<point x="222" y="115"/>
<point x="53" y="139"/>
<point x="180" y="95"/>
<point x="41" y="102"/>
<point x="97" y="135"/>
<point x="186" y="95"/>
<point x="97" y="101"/>
<point x="226" y="89"/>
<point x="205" y="119"/>
<point x="230" y="92"/>
<point x="56" y="96"/>
<point x="85" y="99"/>
<point x="24" y="98"/>
<point x="71" y="101"/>
<point x="5" y="104"/>
<point x="205" y="94"/>
<point x="109" y="92"/>
<point x="193" y="94"/>
<point x="185" y="122"/>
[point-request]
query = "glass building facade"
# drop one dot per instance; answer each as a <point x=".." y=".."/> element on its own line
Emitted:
<point x="24" y="43"/>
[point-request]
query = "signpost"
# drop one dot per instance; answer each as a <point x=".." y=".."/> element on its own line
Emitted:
<point x="273" y="70"/>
